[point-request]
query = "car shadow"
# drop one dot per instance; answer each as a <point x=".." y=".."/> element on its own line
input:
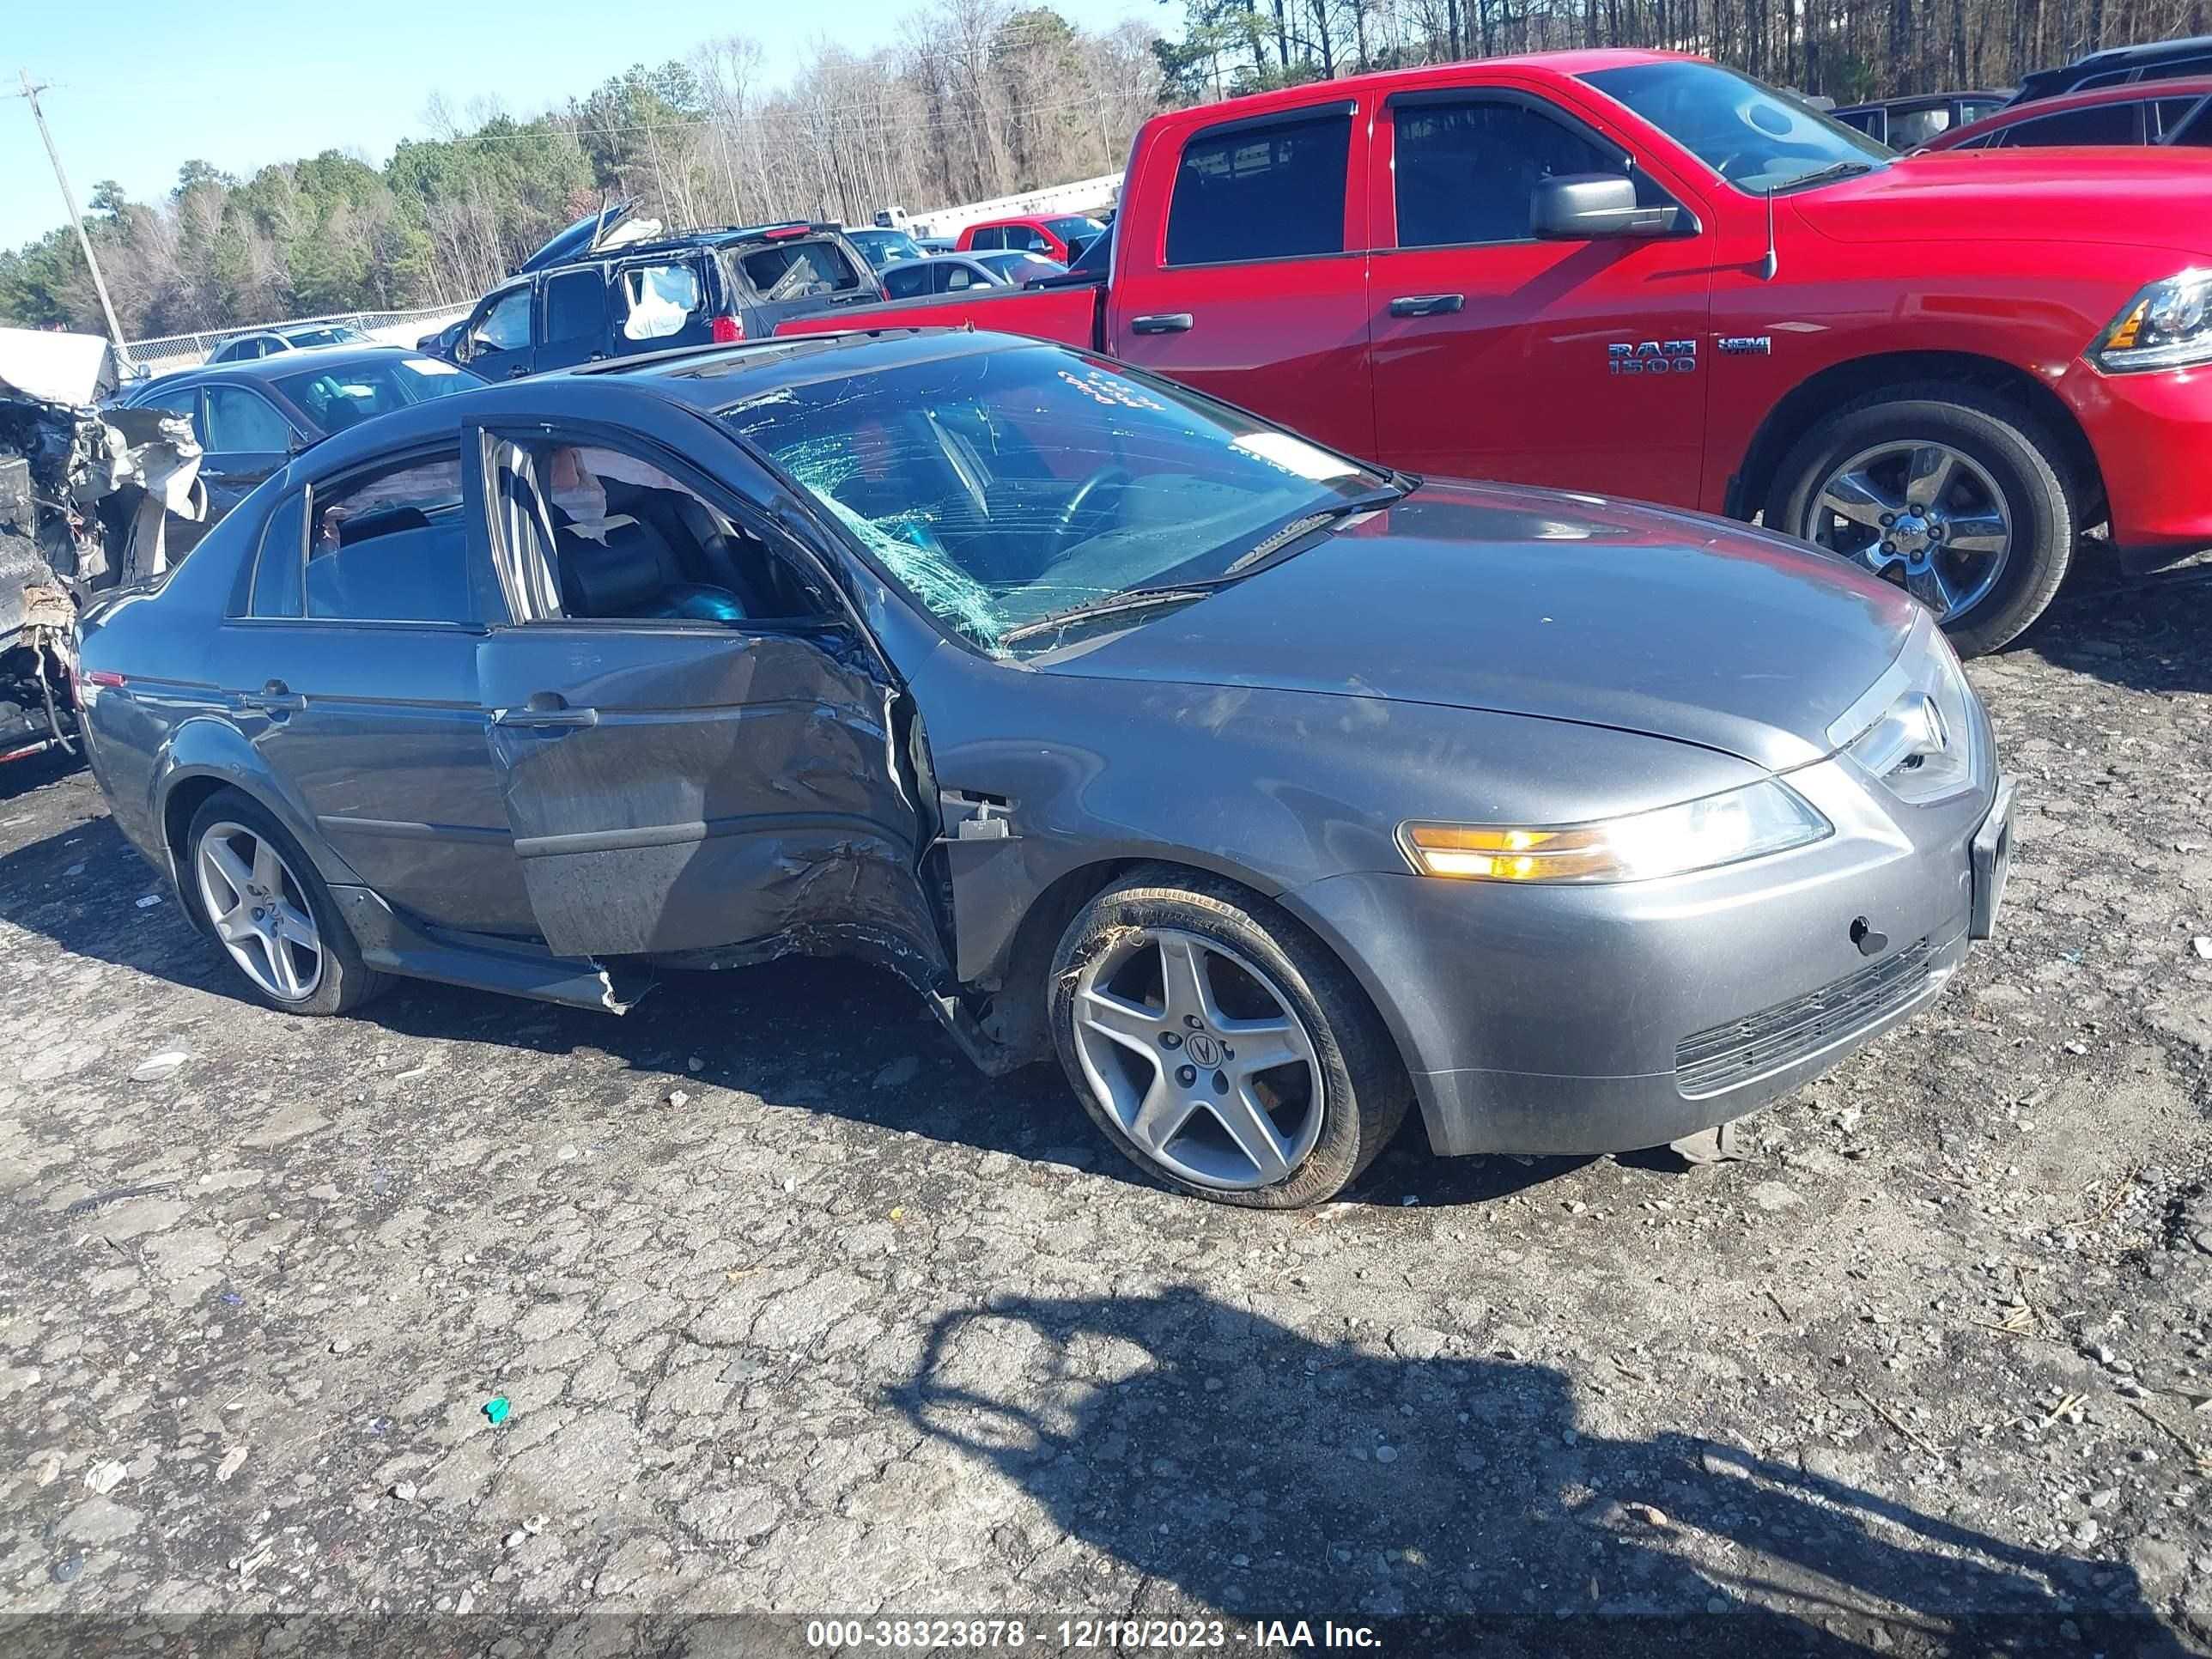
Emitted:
<point x="834" y="1037"/>
<point x="2146" y="633"/>
<point x="1263" y="1472"/>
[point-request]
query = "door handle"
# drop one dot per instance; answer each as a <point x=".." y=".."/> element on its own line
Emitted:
<point x="518" y="372"/>
<point x="1427" y="305"/>
<point x="275" y="697"/>
<point x="546" y="708"/>
<point x="1162" y="322"/>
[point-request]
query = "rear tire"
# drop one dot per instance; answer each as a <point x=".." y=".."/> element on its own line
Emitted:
<point x="259" y="895"/>
<point x="2000" y="450"/>
<point x="1317" y="1092"/>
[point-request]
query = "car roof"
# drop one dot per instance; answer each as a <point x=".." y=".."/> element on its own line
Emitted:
<point x="285" y="363"/>
<point x="2128" y="92"/>
<point x="2143" y="52"/>
<point x="686" y="241"/>
<point x="704" y="379"/>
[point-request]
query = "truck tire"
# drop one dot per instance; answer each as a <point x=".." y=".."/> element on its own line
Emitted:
<point x="1158" y="983"/>
<point x="1959" y="494"/>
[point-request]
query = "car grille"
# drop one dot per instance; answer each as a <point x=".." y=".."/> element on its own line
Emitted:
<point x="1725" y="1055"/>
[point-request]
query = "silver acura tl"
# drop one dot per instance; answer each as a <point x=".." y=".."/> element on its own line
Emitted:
<point x="1274" y="794"/>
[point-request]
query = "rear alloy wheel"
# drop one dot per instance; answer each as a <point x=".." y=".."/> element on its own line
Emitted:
<point x="1955" y="496"/>
<point x="1226" y="1056"/>
<point x="261" y="899"/>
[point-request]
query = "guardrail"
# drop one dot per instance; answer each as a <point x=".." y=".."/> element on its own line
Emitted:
<point x="172" y="352"/>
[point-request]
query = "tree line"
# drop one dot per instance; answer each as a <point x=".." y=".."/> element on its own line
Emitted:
<point x="974" y="99"/>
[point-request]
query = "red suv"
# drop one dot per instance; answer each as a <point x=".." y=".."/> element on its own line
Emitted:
<point x="1643" y="274"/>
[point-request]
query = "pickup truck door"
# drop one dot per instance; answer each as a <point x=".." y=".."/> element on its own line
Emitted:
<point x="1578" y="364"/>
<point x="1254" y="286"/>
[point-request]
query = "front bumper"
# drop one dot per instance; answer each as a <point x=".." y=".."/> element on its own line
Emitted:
<point x="1570" y="1020"/>
<point x="2152" y="435"/>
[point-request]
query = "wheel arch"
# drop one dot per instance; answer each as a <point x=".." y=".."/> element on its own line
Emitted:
<point x="1821" y="393"/>
<point x="204" y="757"/>
<point x="1016" y="1017"/>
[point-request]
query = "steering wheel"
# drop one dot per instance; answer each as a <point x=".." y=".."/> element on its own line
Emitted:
<point x="1082" y="505"/>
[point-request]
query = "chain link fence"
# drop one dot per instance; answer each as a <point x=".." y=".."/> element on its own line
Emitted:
<point x="142" y="358"/>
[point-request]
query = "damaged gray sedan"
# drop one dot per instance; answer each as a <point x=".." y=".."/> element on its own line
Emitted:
<point x="1274" y="793"/>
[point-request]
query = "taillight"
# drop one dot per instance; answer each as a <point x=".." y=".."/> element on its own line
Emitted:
<point x="103" y="677"/>
<point x="728" y="330"/>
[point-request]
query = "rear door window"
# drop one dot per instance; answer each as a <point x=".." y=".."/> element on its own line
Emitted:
<point x="798" y="270"/>
<point x="2097" y="124"/>
<point x="989" y="237"/>
<point x="659" y="302"/>
<point x="394" y="546"/>
<point x="905" y="282"/>
<point x="1466" y="172"/>
<point x="1912" y="127"/>
<point x="1270" y="192"/>
<point x="575" y="308"/>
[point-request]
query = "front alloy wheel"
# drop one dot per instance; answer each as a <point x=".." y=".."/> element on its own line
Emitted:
<point x="1199" y="1058"/>
<point x="1220" y="1046"/>
<point x="1925" y="510"/>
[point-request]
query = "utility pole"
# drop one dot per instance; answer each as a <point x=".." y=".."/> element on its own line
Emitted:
<point x="77" y="220"/>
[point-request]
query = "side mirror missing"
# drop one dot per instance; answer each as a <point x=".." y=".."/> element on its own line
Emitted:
<point x="1591" y="206"/>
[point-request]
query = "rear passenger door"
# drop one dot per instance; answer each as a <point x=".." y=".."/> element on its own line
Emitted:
<point x="350" y="664"/>
<point x="1257" y="290"/>
<point x="1500" y="356"/>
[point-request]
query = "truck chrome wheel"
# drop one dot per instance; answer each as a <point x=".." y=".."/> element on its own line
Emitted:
<point x="1199" y="1058"/>
<point x="1928" y="512"/>
<point x="259" y="911"/>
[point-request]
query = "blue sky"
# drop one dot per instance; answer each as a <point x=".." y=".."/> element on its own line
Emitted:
<point x="137" y="89"/>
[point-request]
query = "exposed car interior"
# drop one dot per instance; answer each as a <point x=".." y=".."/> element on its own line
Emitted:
<point x="603" y="534"/>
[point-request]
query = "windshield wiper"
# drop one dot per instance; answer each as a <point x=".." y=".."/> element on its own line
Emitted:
<point x="1827" y="175"/>
<point x="1134" y="598"/>
<point x="1300" y="528"/>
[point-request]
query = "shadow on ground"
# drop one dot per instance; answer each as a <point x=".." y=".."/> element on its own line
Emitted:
<point x="2147" y="634"/>
<point x="802" y="1033"/>
<point x="1262" y="1472"/>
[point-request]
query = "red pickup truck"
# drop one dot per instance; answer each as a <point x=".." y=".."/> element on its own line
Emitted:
<point x="1644" y="275"/>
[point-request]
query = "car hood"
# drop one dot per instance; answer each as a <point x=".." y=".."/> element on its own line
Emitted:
<point x="2147" y="198"/>
<point x="1557" y="606"/>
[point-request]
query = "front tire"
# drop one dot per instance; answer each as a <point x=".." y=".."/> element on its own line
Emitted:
<point x="1219" y="1046"/>
<point x="1960" y="495"/>
<point x="261" y="897"/>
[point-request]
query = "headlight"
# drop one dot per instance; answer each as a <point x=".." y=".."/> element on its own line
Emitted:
<point x="2167" y="326"/>
<point x="1913" y="731"/>
<point x="1743" y="823"/>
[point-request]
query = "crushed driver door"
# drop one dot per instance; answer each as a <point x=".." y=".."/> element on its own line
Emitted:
<point x="705" y="788"/>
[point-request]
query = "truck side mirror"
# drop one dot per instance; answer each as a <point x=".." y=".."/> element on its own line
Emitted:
<point x="1590" y="206"/>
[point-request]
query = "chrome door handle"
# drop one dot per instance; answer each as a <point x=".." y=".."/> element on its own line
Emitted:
<point x="275" y="697"/>
<point x="1427" y="305"/>
<point x="546" y="708"/>
<point x="1162" y="322"/>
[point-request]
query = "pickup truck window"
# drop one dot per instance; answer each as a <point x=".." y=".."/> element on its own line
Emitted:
<point x="2093" y="124"/>
<point x="1271" y="192"/>
<point x="1752" y="136"/>
<point x="1465" y="171"/>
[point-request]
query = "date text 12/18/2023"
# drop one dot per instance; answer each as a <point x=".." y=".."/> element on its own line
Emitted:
<point x="1176" y="1635"/>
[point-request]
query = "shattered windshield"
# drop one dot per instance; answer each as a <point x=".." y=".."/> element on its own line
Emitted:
<point x="1752" y="136"/>
<point x="1004" y="486"/>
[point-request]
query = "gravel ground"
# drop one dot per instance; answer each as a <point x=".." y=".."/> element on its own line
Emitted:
<point x="793" y="1312"/>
